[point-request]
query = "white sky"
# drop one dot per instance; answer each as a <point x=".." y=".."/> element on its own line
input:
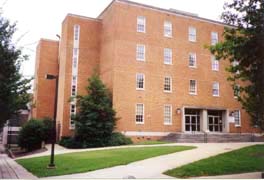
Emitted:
<point x="42" y="18"/>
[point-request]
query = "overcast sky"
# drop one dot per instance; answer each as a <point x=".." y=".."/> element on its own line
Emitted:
<point x="42" y="18"/>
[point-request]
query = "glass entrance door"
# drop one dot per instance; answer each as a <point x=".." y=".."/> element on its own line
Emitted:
<point x="215" y="122"/>
<point x="192" y="120"/>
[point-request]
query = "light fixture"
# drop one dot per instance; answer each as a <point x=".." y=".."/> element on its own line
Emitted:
<point x="178" y="110"/>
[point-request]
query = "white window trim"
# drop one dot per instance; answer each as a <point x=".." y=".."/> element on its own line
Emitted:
<point x="72" y="126"/>
<point x="213" y="60"/>
<point x="238" y="125"/>
<point x="189" y="32"/>
<point x="166" y="123"/>
<point x="217" y="39"/>
<point x="166" y="91"/>
<point x="144" y="24"/>
<point x="216" y="95"/>
<point x="144" y="58"/>
<point x="143" y="118"/>
<point x="140" y="89"/>
<point x="164" y="29"/>
<point x="164" y="56"/>
<point x="193" y="93"/>
<point x="195" y="65"/>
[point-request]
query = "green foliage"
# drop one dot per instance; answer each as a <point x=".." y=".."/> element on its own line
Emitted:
<point x="31" y="135"/>
<point x="34" y="132"/>
<point x="95" y="120"/>
<point x="13" y="87"/>
<point x="118" y="139"/>
<point x="70" y="142"/>
<point x="248" y="159"/>
<point x="243" y="45"/>
<point x="81" y="162"/>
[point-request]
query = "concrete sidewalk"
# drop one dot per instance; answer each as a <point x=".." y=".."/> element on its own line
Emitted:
<point x="254" y="175"/>
<point x="154" y="167"/>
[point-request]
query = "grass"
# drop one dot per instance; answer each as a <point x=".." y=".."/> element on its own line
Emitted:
<point x="248" y="159"/>
<point x="151" y="142"/>
<point x="92" y="160"/>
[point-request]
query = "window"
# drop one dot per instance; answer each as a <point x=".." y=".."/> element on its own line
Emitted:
<point x="193" y="87"/>
<point x="75" y="57"/>
<point x="215" y="64"/>
<point x="167" y="56"/>
<point x="72" y="112"/>
<point x="192" y="34"/>
<point x="141" y="24"/>
<point x="140" y="81"/>
<point x="167" y="114"/>
<point x="214" y="38"/>
<point x="73" y="91"/>
<point x="140" y="52"/>
<point x="192" y="60"/>
<point x="76" y="32"/>
<point x="215" y="89"/>
<point x="74" y="80"/>
<point x="237" y="118"/>
<point x="167" y="84"/>
<point x="167" y="29"/>
<point x="139" y="113"/>
<point x="235" y="65"/>
<point x="236" y="90"/>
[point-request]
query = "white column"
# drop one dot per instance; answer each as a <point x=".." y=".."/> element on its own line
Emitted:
<point x="204" y="120"/>
<point x="225" y="116"/>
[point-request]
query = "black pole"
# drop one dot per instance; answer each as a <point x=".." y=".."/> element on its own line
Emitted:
<point x="52" y="164"/>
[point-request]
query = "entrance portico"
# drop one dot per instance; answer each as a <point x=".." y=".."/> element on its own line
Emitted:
<point x="208" y="120"/>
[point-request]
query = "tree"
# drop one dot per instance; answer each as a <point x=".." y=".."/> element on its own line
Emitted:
<point x="243" y="45"/>
<point x="95" y="120"/>
<point x="13" y="87"/>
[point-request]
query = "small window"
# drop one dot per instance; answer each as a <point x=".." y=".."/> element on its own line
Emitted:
<point x="139" y="113"/>
<point x="167" y="56"/>
<point x="215" y="64"/>
<point x="192" y="60"/>
<point x="140" y="52"/>
<point x="167" y="84"/>
<point x="74" y="80"/>
<point x="216" y="89"/>
<point x="73" y="90"/>
<point x="235" y="65"/>
<point x="193" y="87"/>
<point x="214" y="38"/>
<point x="167" y="114"/>
<point x="192" y="34"/>
<point x="72" y="112"/>
<point x="167" y="29"/>
<point x="237" y="118"/>
<point x="76" y="32"/>
<point x="141" y="24"/>
<point x="140" y="81"/>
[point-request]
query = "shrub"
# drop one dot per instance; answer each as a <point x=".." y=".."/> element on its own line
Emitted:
<point x="31" y="135"/>
<point x="70" y="142"/>
<point x="118" y="139"/>
<point x="47" y="128"/>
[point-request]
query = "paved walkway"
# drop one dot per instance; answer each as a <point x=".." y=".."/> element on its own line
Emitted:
<point x="255" y="175"/>
<point x="154" y="167"/>
<point x="9" y="169"/>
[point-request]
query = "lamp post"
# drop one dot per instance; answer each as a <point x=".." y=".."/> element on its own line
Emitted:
<point x="52" y="164"/>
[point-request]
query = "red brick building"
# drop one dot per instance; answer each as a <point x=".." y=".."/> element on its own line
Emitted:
<point x="154" y="62"/>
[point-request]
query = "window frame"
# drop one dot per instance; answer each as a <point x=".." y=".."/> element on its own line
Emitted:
<point x="215" y="65"/>
<point x="167" y="51"/>
<point x="195" y="60"/>
<point x="192" y="34"/>
<point x="137" y="83"/>
<point x="143" y="113"/>
<point x="143" y="24"/>
<point x="195" y="88"/>
<point x="165" y="115"/>
<point x="138" y="53"/>
<point x="239" y="117"/>
<point x="164" y="84"/>
<point x="167" y="27"/>
<point x="218" y="88"/>
<point x="214" y="38"/>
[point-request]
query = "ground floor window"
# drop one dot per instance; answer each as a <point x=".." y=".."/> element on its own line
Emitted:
<point x="237" y="118"/>
<point x="167" y="114"/>
<point x="192" y="119"/>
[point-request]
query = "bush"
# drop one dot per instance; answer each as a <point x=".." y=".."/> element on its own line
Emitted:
<point x="31" y="135"/>
<point x="70" y="142"/>
<point x="47" y="128"/>
<point x="118" y="139"/>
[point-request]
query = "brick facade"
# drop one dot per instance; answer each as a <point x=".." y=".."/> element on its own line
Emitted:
<point x="108" y="44"/>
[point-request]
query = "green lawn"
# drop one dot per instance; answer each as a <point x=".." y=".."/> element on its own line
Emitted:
<point x="151" y="142"/>
<point x="248" y="159"/>
<point x="92" y="160"/>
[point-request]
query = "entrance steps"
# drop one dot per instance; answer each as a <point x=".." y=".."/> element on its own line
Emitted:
<point x="212" y="137"/>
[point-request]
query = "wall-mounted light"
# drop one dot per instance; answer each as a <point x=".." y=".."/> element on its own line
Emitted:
<point x="178" y="110"/>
